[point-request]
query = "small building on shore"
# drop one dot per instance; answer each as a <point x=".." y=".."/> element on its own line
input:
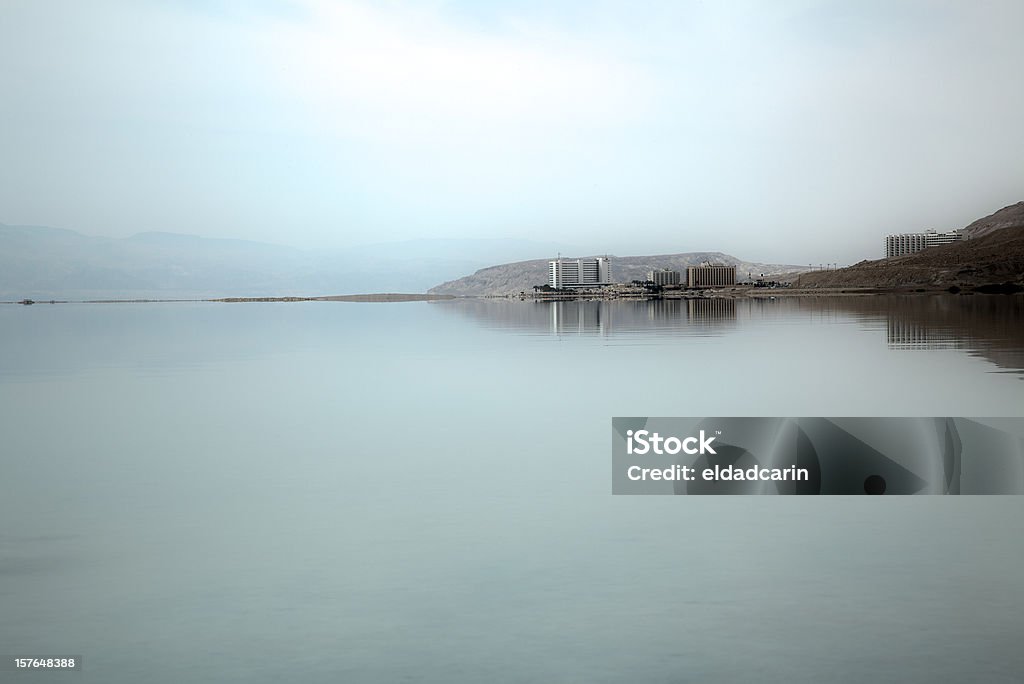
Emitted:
<point x="663" y="277"/>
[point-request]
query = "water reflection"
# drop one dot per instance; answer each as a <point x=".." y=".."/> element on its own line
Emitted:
<point x="903" y="333"/>
<point x="987" y="326"/>
<point x="694" y="316"/>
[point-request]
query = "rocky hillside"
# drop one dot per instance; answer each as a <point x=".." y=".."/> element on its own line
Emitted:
<point x="1007" y="217"/>
<point x="992" y="254"/>
<point x="521" y="276"/>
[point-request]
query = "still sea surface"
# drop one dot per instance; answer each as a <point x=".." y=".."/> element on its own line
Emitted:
<point x="337" y="492"/>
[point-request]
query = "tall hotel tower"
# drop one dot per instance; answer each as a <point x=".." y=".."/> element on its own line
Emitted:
<point x="563" y="273"/>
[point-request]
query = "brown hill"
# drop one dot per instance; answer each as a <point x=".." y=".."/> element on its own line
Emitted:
<point x="1007" y="217"/>
<point x="992" y="254"/>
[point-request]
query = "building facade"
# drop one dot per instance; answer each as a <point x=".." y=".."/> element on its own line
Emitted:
<point x="901" y="244"/>
<point x="711" y="275"/>
<point x="565" y="273"/>
<point x="663" y="277"/>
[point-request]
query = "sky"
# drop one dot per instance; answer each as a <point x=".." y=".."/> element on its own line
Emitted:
<point x="792" y="131"/>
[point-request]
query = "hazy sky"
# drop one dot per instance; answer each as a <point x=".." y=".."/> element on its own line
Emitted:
<point x="779" y="131"/>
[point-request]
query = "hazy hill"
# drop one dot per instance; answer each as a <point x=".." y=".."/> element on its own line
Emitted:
<point x="1007" y="217"/>
<point x="994" y="253"/>
<point x="521" y="276"/>
<point x="39" y="262"/>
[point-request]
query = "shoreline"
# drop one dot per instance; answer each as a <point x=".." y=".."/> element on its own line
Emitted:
<point x="394" y="297"/>
<point x="372" y="297"/>
<point x="751" y="293"/>
<point x="376" y="297"/>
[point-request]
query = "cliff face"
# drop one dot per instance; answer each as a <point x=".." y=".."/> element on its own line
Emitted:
<point x="992" y="253"/>
<point x="523" y="275"/>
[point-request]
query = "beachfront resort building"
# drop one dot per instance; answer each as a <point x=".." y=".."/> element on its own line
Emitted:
<point x="711" y="275"/>
<point x="907" y="243"/>
<point x="564" y="273"/>
<point x="663" y="277"/>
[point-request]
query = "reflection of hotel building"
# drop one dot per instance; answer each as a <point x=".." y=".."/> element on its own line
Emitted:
<point x="693" y="316"/>
<point x="663" y="277"/>
<point x="711" y="275"/>
<point x="904" y="333"/>
<point x="564" y="273"/>
<point x="711" y="310"/>
<point x="908" y="243"/>
<point x="579" y="317"/>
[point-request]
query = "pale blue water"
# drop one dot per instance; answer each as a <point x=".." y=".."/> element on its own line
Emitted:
<point x="330" y="492"/>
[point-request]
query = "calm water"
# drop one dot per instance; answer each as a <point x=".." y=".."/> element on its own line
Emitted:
<point x="330" y="492"/>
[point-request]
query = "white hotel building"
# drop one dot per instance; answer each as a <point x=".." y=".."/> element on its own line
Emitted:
<point x="564" y="273"/>
<point x="907" y="243"/>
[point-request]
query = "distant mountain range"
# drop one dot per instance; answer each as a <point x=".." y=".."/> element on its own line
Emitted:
<point x="992" y="254"/>
<point x="521" y="276"/>
<point x="39" y="262"/>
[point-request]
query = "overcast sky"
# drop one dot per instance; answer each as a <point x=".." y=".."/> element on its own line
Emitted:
<point x="792" y="132"/>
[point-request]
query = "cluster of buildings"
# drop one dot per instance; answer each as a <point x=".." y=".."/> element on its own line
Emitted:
<point x="901" y="244"/>
<point x="565" y="274"/>
<point x="705" y="275"/>
<point x="596" y="272"/>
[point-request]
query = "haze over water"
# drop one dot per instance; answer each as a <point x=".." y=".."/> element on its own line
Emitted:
<point x="325" y="492"/>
